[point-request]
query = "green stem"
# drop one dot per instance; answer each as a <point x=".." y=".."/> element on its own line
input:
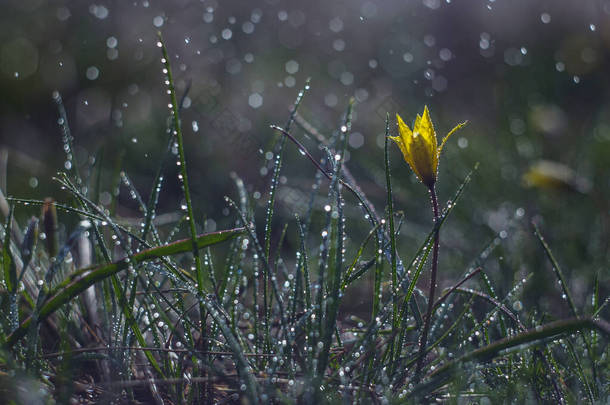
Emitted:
<point x="424" y="336"/>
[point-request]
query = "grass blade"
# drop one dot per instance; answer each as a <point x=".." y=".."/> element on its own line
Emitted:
<point x="79" y="284"/>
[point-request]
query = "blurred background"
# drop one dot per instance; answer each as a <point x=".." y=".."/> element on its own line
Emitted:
<point x="531" y="76"/>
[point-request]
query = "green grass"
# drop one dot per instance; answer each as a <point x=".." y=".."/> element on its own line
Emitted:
<point x="97" y="309"/>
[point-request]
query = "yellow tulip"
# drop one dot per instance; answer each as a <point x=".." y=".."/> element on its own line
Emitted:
<point x="419" y="146"/>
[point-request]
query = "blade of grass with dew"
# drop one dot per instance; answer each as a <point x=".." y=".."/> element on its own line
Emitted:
<point x="81" y="283"/>
<point x="28" y="247"/>
<point x="277" y="166"/>
<point x="370" y="215"/>
<point x="130" y="280"/>
<point x="183" y="177"/>
<point x="568" y="296"/>
<point x="390" y="208"/>
<point x="306" y="286"/>
<point x="449" y="330"/>
<point x="378" y="277"/>
<point x="71" y="164"/>
<point x="551" y="330"/>
<point x="249" y="227"/>
<point x="250" y="386"/>
<point x="337" y="232"/>
<point x="10" y="272"/>
<point x="32" y="331"/>
<point x="349" y="277"/>
<point x="580" y="371"/>
<point x="124" y="303"/>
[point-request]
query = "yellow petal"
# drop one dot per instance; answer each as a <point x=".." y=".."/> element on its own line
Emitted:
<point x="458" y="126"/>
<point x="425" y="127"/>
<point x="423" y="162"/>
<point x="402" y="146"/>
<point x="403" y="129"/>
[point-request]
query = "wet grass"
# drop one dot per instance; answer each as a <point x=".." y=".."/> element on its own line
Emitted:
<point x="112" y="311"/>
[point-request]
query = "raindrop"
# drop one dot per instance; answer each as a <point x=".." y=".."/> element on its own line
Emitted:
<point x="290" y="81"/>
<point x="445" y="54"/>
<point x="338" y="45"/>
<point x="247" y="27"/>
<point x="100" y="12"/>
<point x="292" y="67"/>
<point x="111" y="42"/>
<point x="92" y="73"/>
<point x="346" y="78"/>
<point x="336" y="24"/>
<point x="255" y="100"/>
<point x="256" y="15"/>
<point x="158" y="21"/>
<point x="545" y="18"/>
<point x="226" y="34"/>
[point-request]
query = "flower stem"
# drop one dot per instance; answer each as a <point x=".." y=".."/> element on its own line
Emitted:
<point x="424" y="336"/>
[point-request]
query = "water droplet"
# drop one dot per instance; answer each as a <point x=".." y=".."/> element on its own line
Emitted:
<point x="226" y="34"/>
<point x="158" y="21"/>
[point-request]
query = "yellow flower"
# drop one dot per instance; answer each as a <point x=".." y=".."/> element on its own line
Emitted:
<point x="420" y="148"/>
<point x="545" y="174"/>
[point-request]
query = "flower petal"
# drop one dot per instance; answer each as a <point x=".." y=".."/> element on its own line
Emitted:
<point x="426" y="128"/>
<point x="458" y="126"/>
<point x="423" y="161"/>
<point x="402" y="146"/>
<point x="403" y="128"/>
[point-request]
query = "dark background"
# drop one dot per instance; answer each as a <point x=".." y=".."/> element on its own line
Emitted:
<point x="530" y="76"/>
